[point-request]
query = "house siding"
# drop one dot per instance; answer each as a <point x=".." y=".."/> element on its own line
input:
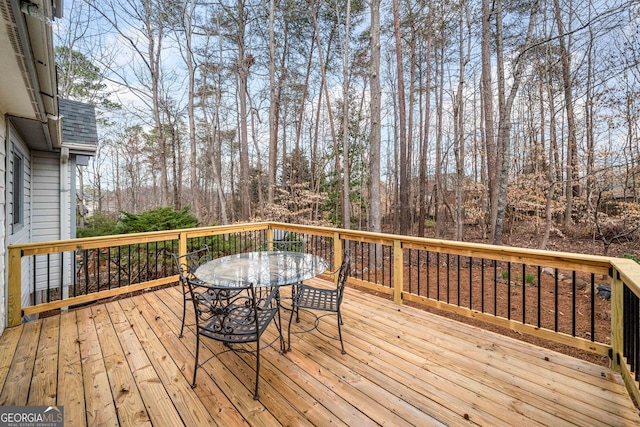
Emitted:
<point x="3" y="232"/>
<point x="46" y="220"/>
<point x="21" y="233"/>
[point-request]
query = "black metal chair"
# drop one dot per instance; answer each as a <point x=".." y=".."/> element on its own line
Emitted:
<point x="322" y="299"/>
<point x="234" y="316"/>
<point x="187" y="265"/>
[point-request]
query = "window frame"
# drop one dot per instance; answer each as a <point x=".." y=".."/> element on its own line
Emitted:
<point x="17" y="188"/>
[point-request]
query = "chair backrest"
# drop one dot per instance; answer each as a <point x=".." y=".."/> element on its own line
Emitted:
<point x="285" y="245"/>
<point x="189" y="262"/>
<point x="285" y="241"/>
<point x="230" y="312"/>
<point x="343" y="273"/>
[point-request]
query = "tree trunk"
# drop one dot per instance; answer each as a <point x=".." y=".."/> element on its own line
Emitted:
<point x="323" y="83"/>
<point x="404" y="184"/>
<point x="572" y="154"/>
<point x="458" y="113"/>
<point x="346" y="191"/>
<point x="273" y="106"/>
<point x="243" y="75"/>
<point x="505" y="125"/>
<point x="438" y="192"/>
<point x="424" y="149"/>
<point x="491" y="148"/>
<point x="187" y="16"/>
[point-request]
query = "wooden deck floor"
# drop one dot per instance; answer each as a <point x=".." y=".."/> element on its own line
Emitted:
<point x="121" y="363"/>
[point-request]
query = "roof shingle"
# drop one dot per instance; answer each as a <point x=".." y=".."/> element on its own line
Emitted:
<point x="78" y="122"/>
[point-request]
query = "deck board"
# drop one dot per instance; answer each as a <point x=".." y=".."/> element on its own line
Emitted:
<point x="16" y="386"/>
<point x="122" y="363"/>
<point x="70" y="383"/>
<point x="45" y="370"/>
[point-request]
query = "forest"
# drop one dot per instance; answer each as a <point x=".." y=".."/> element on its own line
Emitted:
<point x="469" y="119"/>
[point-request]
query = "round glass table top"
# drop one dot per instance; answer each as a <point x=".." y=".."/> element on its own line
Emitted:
<point x="269" y="268"/>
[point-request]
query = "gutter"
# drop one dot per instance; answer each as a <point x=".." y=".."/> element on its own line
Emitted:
<point x="17" y="6"/>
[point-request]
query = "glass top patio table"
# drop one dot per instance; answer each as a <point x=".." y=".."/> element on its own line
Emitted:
<point x="267" y="268"/>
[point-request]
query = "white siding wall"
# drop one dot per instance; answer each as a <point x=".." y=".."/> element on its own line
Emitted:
<point x="46" y="217"/>
<point x="22" y="233"/>
<point x="3" y="233"/>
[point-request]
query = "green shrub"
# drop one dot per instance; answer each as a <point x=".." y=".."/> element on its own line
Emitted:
<point x="156" y="219"/>
<point x="98" y="225"/>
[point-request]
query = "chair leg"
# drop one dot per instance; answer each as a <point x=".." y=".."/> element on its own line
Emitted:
<point x="195" y="367"/>
<point x="289" y="326"/>
<point x="296" y="289"/>
<point x="279" y="326"/>
<point x="184" y="313"/>
<point x="340" y="332"/>
<point x="255" y="395"/>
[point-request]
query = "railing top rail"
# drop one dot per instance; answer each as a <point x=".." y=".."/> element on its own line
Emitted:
<point x="580" y="262"/>
<point x="629" y="272"/>
<point x="53" y="246"/>
<point x="575" y="261"/>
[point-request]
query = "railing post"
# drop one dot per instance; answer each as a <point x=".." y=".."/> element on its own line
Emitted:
<point x="398" y="271"/>
<point x="269" y="238"/>
<point x="182" y="243"/>
<point x="14" y="296"/>
<point x="617" y="320"/>
<point x="337" y="253"/>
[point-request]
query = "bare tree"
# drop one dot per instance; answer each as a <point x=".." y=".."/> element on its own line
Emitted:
<point x="375" y="134"/>
<point x="572" y="148"/>
<point x="404" y="184"/>
<point x="346" y="191"/>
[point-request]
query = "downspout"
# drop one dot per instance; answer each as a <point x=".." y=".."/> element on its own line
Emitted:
<point x="64" y="218"/>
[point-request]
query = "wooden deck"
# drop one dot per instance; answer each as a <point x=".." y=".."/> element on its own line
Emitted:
<point x="121" y="363"/>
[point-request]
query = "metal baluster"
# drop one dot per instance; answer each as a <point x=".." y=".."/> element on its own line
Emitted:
<point x="61" y="278"/>
<point x="109" y="268"/>
<point x="470" y="283"/>
<point x="34" y="280"/>
<point x="482" y="284"/>
<point x="593" y="307"/>
<point x="139" y="264"/>
<point x="97" y="266"/>
<point x="410" y="270"/>
<point x="75" y="272"/>
<point x="86" y="271"/>
<point x="539" y="297"/>
<point x="438" y="276"/>
<point x="509" y="290"/>
<point x="458" y="271"/>
<point x="495" y="287"/>
<point x="48" y="273"/>
<point x="418" y="262"/>
<point x="448" y="278"/>
<point x="428" y="275"/>
<point x="524" y="293"/>
<point x="120" y="266"/>
<point x="573" y="303"/>
<point x="556" y="300"/>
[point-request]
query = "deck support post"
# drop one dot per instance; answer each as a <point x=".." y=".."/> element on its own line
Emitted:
<point x="398" y="271"/>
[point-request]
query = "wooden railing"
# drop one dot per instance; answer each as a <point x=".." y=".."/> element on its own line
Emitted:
<point x="554" y="295"/>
